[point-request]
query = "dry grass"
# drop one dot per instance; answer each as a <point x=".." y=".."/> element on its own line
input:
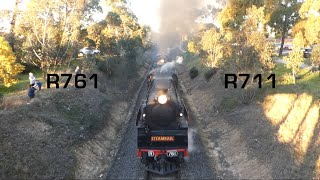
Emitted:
<point x="317" y="169"/>
<point x="296" y="118"/>
<point x="20" y="98"/>
<point x="277" y="106"/>
<point x="303" y="137"/>
<point x="14" y="101"/>
<point x="292" y="122"/>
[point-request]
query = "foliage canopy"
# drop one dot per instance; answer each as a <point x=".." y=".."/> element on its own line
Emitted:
<point x="8" y="66"/>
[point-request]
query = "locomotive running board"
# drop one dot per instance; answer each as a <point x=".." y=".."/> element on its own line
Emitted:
<point x="166" y="168"/>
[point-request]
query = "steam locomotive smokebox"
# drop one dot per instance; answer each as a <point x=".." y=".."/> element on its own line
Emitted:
<point x="162" y="115"/>
<point x="166" y="114"/>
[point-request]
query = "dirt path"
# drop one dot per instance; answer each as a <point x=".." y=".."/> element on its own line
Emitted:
<point x="128" y="166"/>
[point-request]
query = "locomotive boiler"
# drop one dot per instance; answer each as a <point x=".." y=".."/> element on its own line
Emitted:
<point x="162" y="124"/>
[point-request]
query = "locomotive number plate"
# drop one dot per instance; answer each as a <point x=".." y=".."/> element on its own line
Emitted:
<point x="162" y="138"/>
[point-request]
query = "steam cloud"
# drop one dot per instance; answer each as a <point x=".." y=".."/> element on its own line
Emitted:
<point x="167" y="67"/>
<point x="178" y="19"/>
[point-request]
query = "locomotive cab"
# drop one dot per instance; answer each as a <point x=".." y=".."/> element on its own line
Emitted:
<point x="162" y="126"/>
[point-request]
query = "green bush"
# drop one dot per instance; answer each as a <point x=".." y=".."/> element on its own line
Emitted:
<point x="246" y="96"/>
<point x="208" y="75"/>
<point x="29" y="68"/>
<point x="105" y="67"/>
<point x="286" y="79"/>
<point x="1" y="99"/>
<point x="228" y="104"/>
<point x="193" y="73"/>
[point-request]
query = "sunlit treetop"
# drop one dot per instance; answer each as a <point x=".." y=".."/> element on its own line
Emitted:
<point x="8" y="67"/>
<point x="233" y="15"/>
<point x="255" y="19"/>
<point x="310" y="13"/>
<point x="310" y="8"/>
<point x="116" y="3"/>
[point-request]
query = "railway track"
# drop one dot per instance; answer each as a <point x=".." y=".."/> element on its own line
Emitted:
<point x="128" y="166"/>
<point x="152" y="176"/>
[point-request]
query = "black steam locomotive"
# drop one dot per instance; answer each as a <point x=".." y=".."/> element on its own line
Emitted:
<point x="162" y="124"/>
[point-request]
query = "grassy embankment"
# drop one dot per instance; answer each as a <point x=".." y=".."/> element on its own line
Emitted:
<point x="307" y="82"/>
<point x="23" y="78"/>
<point x="67" y="133"/>
<point x="292" y="110"/>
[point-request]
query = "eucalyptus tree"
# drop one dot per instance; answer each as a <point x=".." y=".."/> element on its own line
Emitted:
<point x="51" y="29"/>
<point x="283" y="14"/>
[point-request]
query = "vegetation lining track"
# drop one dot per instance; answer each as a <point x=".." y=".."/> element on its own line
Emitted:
<point x="126" y="164"/>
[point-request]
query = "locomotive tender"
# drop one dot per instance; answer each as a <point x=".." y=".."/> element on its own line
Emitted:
<point x="162" y="124"/>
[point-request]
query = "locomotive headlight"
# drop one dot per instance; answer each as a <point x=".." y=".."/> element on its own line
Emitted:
<point x="181" y="114"/>
<point x="162" y="99"/>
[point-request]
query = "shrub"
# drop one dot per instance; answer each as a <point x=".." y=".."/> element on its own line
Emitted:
<point x="247" y="95"/>
<point x="286" y="79"/>
<point x="228" y="104"/>
<point x="29" y="68"/>
<point x="105" y="67"/>
<point x="1" y="99"/>
<point x="208" y="75"/>
<point x="315" y="56"/>
<point x="193" y="73"/>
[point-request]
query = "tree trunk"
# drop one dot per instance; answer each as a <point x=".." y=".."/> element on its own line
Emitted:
<point x="13" y="24"/>
<point x="55" y="66"/>
<point x="283" y="37"/>
<point x="211" y="59"/>
<point x="44" y="74"/>
<point x="43" y="71"/>
<point x="294" y="76"/>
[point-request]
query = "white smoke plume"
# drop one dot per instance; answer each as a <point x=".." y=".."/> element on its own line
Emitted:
<point x="167" y="67"/>
<point x="178" y="20"/>
<point x="179" y="59"/>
